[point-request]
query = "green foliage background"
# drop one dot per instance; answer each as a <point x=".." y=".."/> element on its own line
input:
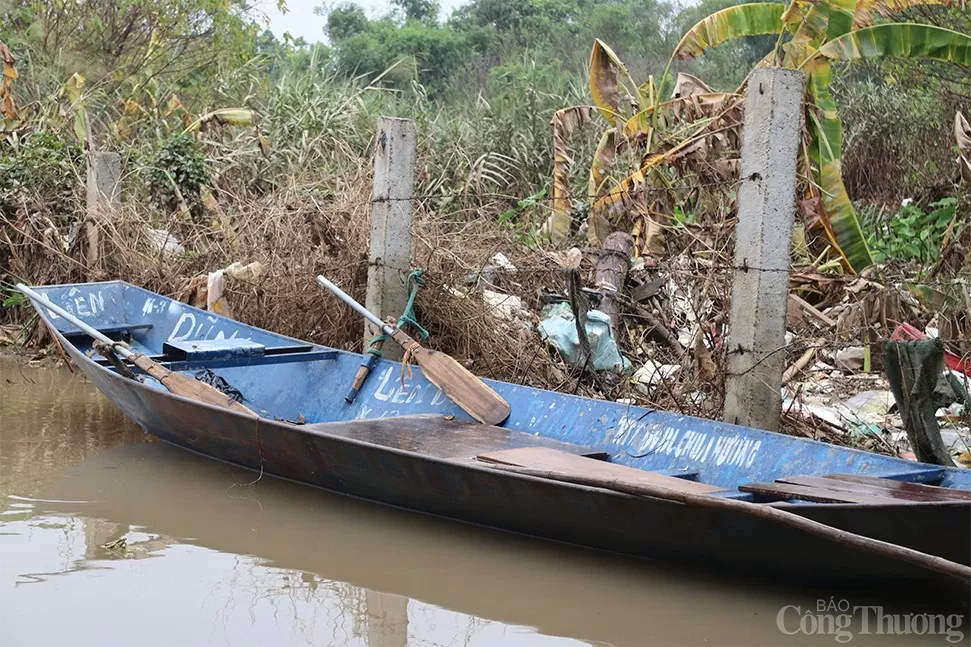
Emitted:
<point x="482" y="82"/>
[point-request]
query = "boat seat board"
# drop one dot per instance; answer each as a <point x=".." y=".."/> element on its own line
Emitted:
<point x="205" y="349"/>
<point x="900" y="489"/>
<point x="817" y="494"/>
<point x="543" y="458"/>
<point x="854" y="488"/>
<point x="115" y="329"/>
<point x="443" y="436"/>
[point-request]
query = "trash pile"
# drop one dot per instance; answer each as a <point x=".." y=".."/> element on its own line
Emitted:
<point x="660" y="339"/>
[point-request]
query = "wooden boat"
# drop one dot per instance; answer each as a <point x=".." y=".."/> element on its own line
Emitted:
<point x="403" y="443"/>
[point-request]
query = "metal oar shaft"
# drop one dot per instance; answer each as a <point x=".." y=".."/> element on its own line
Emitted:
<point x="361" y="310"/>
<point x="74" y="321"/>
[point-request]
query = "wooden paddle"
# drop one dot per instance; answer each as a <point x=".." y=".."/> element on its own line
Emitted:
<point x="463" y="388"/>
<point x="175" y="382"/>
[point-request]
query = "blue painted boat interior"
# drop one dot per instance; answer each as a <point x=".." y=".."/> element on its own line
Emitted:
<point x="288" y="379"/>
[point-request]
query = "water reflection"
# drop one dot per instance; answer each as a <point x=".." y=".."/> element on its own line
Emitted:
<point x="106" y="539"/>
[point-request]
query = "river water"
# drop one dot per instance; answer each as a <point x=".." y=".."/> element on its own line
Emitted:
<point x="108" y="538"/>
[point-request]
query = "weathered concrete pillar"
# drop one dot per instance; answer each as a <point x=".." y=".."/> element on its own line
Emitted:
<point x="104" y="194"/>
<point x="763" y="237"/>
<point x="389" y="260"/>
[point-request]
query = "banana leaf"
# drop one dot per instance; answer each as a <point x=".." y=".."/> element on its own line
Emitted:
<point x="225" y="116"/>
<point x="813" y="27"/>
<point x="564" y="123"/>
<point x="598" y="227"/>
<point x="604" y="86"/>
<point x="795" y="15"/>
<point x="910" y="40"/>
<point x="755" y="19"/>
<point x="841" y="15"/>
<point x="603" y="161"/>
<point x="838" y="217"/>
<point x="705" y="105"/>
<point x="74" y="89"/>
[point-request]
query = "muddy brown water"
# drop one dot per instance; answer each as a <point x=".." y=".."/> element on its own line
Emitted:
<point x="108" y="538"/>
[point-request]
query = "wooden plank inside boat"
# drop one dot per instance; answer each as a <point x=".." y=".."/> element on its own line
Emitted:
<point x="443" y="436"/>
<point x="816" y="494"/>
<point x="543" y="458"/>
<point x="834" y="485"/>
<point x="913" y="491"/>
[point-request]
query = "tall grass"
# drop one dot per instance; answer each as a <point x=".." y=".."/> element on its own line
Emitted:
<point x="294" y="194"/>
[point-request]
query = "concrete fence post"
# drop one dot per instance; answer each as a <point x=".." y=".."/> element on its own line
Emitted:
<point x="389" y="260"/>
<point x="763" y="238"/>
<point x="104" y="194"/>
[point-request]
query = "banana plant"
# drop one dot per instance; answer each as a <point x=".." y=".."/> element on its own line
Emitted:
<point x="812" y="36"/>
<point x="662" y="140"/>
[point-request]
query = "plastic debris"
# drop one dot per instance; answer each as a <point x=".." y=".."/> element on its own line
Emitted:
<point x="164" y="242"/>
<point x="864" y="413"/>
<point x="871" y="406"/>
<point x="216" y="285"/>
<point x="215" y="301"/>
<point x="242" y="272"/>
<point x="652" y="374"/>
<point x="505" y="306"/>
<point x="499" y="261"/>
<point x="558" y="328"/>
<point x="498" y="265"/>
<point x="851" y="358"/>
<point x="218" y="382"/>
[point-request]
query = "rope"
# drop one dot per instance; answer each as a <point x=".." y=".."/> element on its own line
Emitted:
<point x="415" y="280"/>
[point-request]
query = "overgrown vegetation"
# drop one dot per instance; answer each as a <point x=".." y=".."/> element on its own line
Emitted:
<point x="248" y="147"/>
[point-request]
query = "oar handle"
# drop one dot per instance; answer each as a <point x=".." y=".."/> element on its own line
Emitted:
<point x="361" y="310"/>
<point x="43" y="301"/>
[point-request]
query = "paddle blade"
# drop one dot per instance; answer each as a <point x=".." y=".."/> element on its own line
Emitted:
<point x="463" y="388"/>
<point x="187" y="387"/>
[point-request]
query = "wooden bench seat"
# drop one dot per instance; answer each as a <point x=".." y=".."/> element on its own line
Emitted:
<point x="854" y="488"/>
<point x="788" y="491"/>
<point x="903" y="489"/>
<point x="443" y="436"/>
<point x="124" y="329"/>
<point x="542" y="458"/>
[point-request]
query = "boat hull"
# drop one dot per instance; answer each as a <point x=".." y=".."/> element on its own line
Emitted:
<point x="288" y="380"/>
<point x="591" y="517"/>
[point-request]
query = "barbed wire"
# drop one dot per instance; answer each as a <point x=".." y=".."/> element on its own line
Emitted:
<point x="547" y="198"/>
<point x="808" y="273"/>
<point x="840" y="345"/>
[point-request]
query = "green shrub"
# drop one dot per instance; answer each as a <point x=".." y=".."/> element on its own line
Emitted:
<point x="41" y="174"/>
<point x="912" y="234"/>
<point x="179" y="163"/>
